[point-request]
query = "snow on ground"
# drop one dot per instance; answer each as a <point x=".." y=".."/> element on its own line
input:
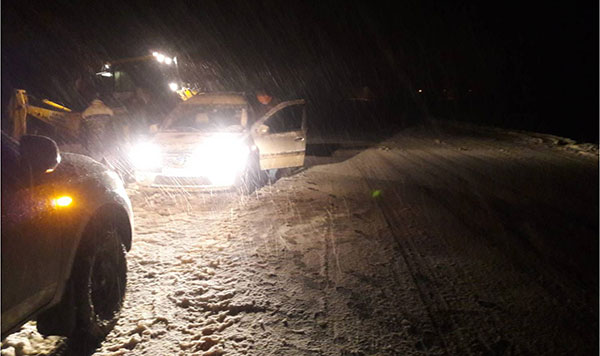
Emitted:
<point x="447" y="240"/>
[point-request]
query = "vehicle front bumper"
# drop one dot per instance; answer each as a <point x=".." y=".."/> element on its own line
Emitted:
<point x="164" y="181"/>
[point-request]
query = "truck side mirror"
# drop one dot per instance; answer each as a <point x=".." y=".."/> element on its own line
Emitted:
<point x="263" y="129"/>
<point x="39" y="154"/>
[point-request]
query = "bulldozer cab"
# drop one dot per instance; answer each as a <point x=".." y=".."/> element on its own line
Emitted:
<point x="140" y="90"/>
<point x="124" y="79"/>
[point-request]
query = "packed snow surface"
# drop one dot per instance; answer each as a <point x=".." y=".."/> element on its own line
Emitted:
<point x="449" y="239"/>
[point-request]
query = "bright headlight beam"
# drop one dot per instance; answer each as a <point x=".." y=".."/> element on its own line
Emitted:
<point x="146" y="155"/>
<point x="221" y="159"/>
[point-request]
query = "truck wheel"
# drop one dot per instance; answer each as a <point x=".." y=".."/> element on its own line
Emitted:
<point x="100" y="277"/>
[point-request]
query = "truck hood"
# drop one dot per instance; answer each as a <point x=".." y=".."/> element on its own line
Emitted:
<point x="91" y="183"/>
<point x="176" y="142"/>
<point x="76" y="169"/>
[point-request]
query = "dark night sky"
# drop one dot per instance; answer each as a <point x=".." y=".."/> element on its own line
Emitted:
<point x="533" y="65"/>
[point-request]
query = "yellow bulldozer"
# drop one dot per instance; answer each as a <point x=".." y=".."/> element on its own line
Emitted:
<point x="119" y="78"/>
<point x="20" y="109"/>
<point x="64" y="126"/>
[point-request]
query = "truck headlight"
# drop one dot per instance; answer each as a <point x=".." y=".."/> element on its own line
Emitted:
<point x="146" y="155"/>
<point x="221" y="159"/>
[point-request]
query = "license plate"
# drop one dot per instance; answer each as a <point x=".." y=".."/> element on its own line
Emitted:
<point x="176" y="172"/>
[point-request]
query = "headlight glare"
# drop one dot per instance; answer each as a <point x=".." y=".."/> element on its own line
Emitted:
<point x="146" y="155"/>
<point x="221" y="159"/>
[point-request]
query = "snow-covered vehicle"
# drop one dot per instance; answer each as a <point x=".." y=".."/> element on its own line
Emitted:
<point x="212" y="141"/>
<point x="66" y="225"/>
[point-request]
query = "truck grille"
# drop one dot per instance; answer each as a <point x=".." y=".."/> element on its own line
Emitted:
<point x="181" y="181"/>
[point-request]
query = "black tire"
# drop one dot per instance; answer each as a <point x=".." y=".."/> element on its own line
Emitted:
<point x="99" y="280"/>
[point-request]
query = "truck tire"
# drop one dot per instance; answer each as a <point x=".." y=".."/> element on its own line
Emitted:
<point x="99" y="280"/>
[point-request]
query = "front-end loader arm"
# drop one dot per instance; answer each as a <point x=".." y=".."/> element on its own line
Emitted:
<point x="65" y="121"/>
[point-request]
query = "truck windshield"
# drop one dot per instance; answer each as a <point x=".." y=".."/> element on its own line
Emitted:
<point x="206" y="118"/>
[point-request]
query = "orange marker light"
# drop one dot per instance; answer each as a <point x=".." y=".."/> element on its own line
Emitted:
<point x="63" y="201"/>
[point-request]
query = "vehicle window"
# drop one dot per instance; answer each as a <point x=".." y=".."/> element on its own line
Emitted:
<point x="206" y="117"/>
<point x="286" y="120"/>
<point x="123" y="82"/>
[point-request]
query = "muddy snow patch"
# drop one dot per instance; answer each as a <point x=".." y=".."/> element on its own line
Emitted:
<point x="29" y="342"/>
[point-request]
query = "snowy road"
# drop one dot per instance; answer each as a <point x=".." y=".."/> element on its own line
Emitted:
<point x="448" y="240"/>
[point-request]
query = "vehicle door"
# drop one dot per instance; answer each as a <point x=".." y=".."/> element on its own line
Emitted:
<point x="30" y="242"/>
<point x="280" y="135"/>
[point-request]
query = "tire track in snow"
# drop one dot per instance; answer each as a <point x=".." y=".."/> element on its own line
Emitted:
<point x="430" y="168"/>
<point x="414" y="268"/>
<point x="423" y="274"/>
<point x="454" y="168"/>
<point x="490" y="340"/>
